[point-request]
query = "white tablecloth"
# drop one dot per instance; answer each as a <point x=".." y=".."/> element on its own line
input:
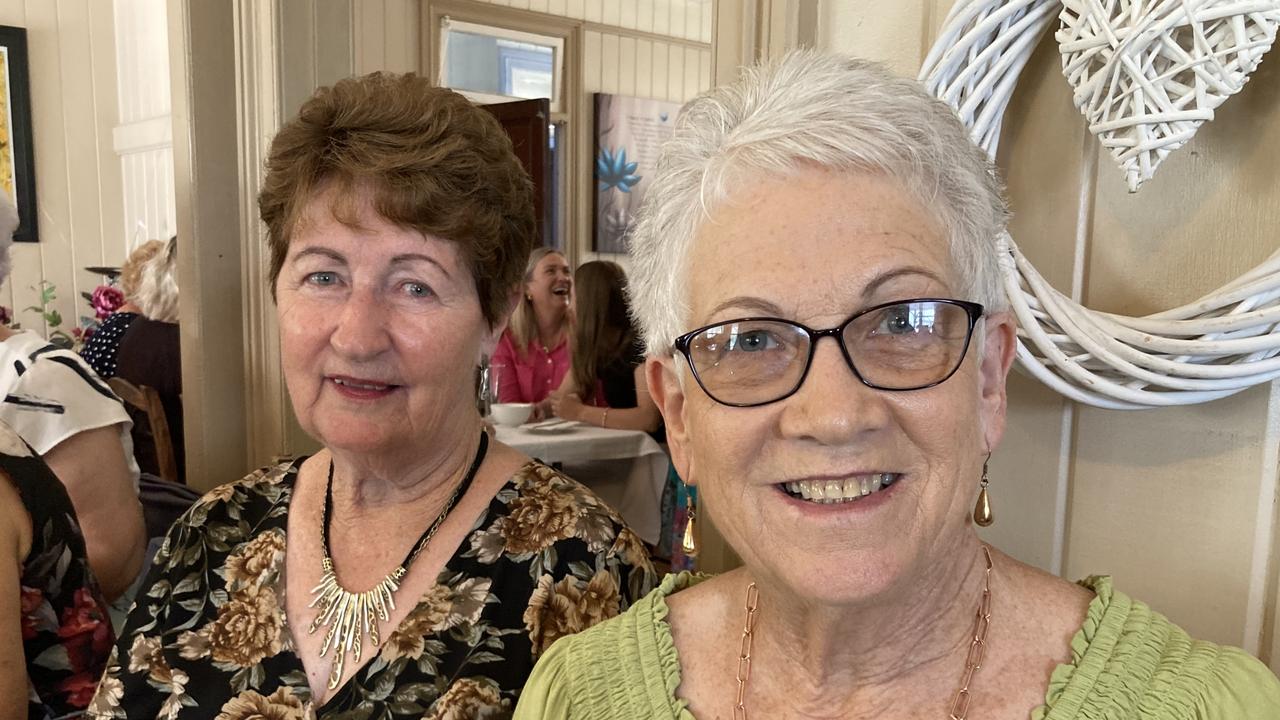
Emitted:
<point x="626" y="468"/>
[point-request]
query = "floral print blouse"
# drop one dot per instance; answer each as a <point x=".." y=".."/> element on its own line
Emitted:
<point x="66" y="633"/>
<point x="207" y="637"/>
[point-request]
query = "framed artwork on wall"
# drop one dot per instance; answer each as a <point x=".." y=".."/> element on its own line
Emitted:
<point x="629" y="133"/>
<point x="17" y="154"/>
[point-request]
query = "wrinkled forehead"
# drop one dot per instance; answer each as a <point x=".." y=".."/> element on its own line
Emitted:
<point x="816" y="243"/>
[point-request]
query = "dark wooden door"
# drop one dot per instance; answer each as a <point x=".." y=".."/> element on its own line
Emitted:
<point x="527" y="123"/>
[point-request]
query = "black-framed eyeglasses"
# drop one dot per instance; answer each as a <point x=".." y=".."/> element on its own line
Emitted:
<point x="896" y="346"/>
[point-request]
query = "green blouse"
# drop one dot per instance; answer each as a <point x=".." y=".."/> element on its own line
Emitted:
<point x="1128" y="662"/>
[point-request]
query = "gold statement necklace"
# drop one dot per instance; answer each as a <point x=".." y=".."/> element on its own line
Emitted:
<point x="352" y="616"/>
<point x="977" y="648"/>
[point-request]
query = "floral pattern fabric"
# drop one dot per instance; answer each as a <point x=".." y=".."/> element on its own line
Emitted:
<point x="208" y="637"/>
<point x="66" y="634"/>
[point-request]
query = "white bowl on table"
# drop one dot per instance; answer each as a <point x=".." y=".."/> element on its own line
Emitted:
<point x="511" y="414"/>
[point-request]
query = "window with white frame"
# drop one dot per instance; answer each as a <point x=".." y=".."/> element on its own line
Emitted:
<point x="494" y="64"/>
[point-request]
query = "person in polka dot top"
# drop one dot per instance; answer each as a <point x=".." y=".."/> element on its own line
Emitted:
<point x="102" y="347"/>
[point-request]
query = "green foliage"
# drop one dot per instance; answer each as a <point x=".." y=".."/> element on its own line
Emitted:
<point x="52" y="318"/>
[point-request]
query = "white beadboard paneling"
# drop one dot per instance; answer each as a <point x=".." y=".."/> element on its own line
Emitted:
<point x="627" y="66"/>
<point x="644" y="15"/>
<point x="298" y="51"/>
<point x="593" y="10"/>
<point x="708" y="25"/>
<point x="143" y="22"/>
<point x="693" y="20"/>
<point x="145" y="132"/>
<point x="609" y="63"/>
<point x="592" y="62"/>
<point x="692" y="72"/>
<point x="369" y="22"/>
<point x="679" y="19"/>
<point x="644" y="68"/>
<point x="519" y="4"/>
<point x="675" y="72"/>
<point x="13" y="12"/>
<point x="628" y="18"/>
<point x="704" y="70"/>
<point x="658" y="86"/>
<point x="399" y="51"/>
<point x="75" y="102"/>
<point x="542" y="6"/>
<point x="611" y="11"/>
<point x="25" y="274"/>
<point x="332" y="42"/>
<point x="575" y="9"/>
<point x="106" y="105"/>
<point x="47" y="55"/>
<point x="661" y="16"/>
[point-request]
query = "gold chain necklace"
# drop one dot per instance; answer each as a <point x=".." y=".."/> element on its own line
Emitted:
<point x="977" y="648"/>
<point x="352" y="616"/>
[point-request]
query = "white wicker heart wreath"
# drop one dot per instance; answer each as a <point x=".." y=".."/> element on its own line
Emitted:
<point x="1216" y="346"/>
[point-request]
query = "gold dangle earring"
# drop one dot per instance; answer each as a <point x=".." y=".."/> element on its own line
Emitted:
<point x="982" y="516"/>
<point x="689" y="544"/>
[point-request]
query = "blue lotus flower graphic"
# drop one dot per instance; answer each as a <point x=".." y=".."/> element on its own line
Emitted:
<point x="613" y="170"/>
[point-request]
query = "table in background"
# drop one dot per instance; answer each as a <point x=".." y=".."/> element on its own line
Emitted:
<point x="626" y="468"/>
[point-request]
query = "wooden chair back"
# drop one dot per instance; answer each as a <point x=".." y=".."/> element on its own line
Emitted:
<point x="147" y="400"/>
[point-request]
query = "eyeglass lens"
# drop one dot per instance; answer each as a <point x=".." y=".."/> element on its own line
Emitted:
<point x="902" y="346"/>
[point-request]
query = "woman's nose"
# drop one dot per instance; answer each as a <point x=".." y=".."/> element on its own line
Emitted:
<point x="361" y="330"/>
<point x="832" y="406"/>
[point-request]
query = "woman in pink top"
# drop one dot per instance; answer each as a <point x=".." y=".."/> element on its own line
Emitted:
<point x="533" y="355"/>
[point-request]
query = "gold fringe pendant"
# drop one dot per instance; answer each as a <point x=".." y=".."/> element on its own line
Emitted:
<point x="350" y="616"/>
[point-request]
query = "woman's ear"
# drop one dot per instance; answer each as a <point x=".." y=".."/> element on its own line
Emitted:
<point x="1000" y="345"/>
<point x="667" y="391"/>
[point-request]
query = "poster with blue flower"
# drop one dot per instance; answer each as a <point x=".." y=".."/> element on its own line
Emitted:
<point x="629" y="136"/>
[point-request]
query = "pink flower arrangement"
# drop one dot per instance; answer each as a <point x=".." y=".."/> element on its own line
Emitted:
<point x="106" y="300"/>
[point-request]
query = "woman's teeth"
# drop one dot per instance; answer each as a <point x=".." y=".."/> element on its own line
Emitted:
<point x="360" y="386"/>
<point x="828" y="492"/>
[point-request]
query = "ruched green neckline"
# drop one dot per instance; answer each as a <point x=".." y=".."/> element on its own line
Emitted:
<point x="1128" y="662"/>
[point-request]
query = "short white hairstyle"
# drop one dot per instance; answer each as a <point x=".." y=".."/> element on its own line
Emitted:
<point x="157" y="293"/>
<point x="811" y="109"/>
<point x="8" y="226"/>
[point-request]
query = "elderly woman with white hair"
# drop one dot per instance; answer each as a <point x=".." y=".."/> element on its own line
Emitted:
<point x="821" y="199"/>
<point x="58" y="406"/>
<point x="150" y="355"/>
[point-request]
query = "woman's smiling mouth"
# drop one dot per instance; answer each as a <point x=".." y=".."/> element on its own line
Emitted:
<point x="360" y="388"/>
<point x="831" y="491"/>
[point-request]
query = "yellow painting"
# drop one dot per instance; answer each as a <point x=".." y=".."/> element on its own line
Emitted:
<point x="6" y="127"/>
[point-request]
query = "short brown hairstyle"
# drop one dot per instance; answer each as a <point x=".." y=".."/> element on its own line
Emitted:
<point x="429" y="159"/>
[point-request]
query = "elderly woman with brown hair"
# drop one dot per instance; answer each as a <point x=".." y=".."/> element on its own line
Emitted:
<point x="816" y="275"/>
<point x="413" y="567"/>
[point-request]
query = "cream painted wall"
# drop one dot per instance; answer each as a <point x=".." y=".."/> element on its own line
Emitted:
<point x="1176" y="504"/>
<point x="71" y="53"/>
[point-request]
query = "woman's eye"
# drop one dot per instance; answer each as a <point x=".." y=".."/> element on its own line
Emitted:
<point x="897" y="321"/>
<point x="754" y="341"/>
<point x="417" y="289"/>
<point x="322" y="278"/>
